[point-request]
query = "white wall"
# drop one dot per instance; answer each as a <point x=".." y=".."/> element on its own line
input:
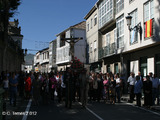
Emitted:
<point x="150" y="65"/>
<point x="80" y="46"/>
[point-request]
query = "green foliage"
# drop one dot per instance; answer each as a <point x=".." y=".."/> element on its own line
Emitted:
<point x="9" y="7"/>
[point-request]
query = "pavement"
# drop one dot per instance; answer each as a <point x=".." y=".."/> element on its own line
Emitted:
<point x="125" y="98"/>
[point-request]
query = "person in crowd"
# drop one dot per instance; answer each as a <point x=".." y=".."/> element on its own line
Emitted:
<point x="6" y="87"/>
<point x="155" y="89"/>
<point x="150" y="76"/>
<point x="112" y="86"/>
<point x="137" y="90"/>
<point x="84" y="87"/>
<point x="141" y="77"/>
<point x="28" y="86"/>
<point x="147" y="89"/>
<point x="32" y="79"/>
<point x="91" y="93"/>
<point x="131" y="82"/>
<point x="77" y="88"/>
<point x="21" y="84"/>
<point x="45" y="90"/>
<point x="106" y="87"/>
<point x="53" y="82"/>
<point x="59" y="90"/>
<point x="13" y="82"/>
<point x="95" y="86"/>
<point x="63" y="86"/>
<point x="100" y="87"/>
<point x="117" y="88"/>
<point x="68" y="80"/>
<point x="36" y="90"/>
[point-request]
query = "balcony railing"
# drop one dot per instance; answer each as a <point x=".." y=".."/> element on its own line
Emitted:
<point x="107" y="50"/>
<point x="100" y="53"/>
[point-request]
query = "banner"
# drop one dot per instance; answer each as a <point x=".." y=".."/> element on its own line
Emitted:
<point x="148" y="28"/>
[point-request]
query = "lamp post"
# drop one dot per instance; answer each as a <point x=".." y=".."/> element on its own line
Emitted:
<point x="138" y="26"/>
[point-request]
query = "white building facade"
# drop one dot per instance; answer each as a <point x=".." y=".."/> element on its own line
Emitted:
<point x="41" y="61"/>
<point x="122" y="50"/>
<point x="63" y="56"/>
<point x="52" y="56"/>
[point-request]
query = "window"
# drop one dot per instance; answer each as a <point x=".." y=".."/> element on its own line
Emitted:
<point x="91" y="48"/>
<point x="116" y="68"/>
<point x="95" y="19"/>
<point x="119" y="5"/>
<point x="148" y="18"/>
<point x="120" y="31"/>
<point x="148" y="11"/>
<point x="47" y="55"/>
<point x="115" y="37"/>
<point x="95" y="45"/>
<point x="43" y="56"/>
<point x="88" y="26"/>
<point x="91" y="23"/>
<point x="134" y="32"/>
<point x="108" y="39"/>
<point x="105" y="12"/>
<point x="108" y="69"/>
<point x="143" y="66"/>
<point x="37" y="57"/>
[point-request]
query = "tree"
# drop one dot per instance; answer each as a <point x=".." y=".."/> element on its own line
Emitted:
<point x="7" y="9"/>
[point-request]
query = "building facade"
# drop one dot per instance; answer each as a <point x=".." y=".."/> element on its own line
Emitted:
<point x="52" y="56"/>
<point x="92" y="35"/>
<point x="123" y="50"/>
<point x="63" y="56"/>
<point x="41" y="61"/>
<point x="11" y="53"/>
<point x="28" y="65"/>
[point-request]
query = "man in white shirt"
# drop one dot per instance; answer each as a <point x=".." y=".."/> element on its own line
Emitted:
<point x="131" y="82"/>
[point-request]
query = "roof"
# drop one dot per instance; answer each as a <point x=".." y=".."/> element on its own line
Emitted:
<point x="90" y="12"/>
<point x="81" y="25"/>
<point x="53" y="41"/>
<point x="42" y="50"/>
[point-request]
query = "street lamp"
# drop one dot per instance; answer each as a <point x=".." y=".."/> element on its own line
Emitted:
<point x="129" y="18"/>
<point x="138" y="26"/>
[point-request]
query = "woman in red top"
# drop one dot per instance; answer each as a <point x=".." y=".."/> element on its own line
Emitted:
<point x="27" y="86"/>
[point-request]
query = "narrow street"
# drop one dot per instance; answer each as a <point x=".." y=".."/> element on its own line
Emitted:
<point x="93" y="111"/>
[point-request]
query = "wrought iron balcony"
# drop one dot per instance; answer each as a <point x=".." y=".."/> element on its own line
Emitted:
<point x="107" y="50"/>
<point x="100" y="53"/>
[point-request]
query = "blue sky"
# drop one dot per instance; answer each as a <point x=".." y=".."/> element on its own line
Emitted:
<point x="41" y="20"/>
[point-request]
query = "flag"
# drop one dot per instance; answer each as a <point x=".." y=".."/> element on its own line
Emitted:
<point x="148" y="26"/>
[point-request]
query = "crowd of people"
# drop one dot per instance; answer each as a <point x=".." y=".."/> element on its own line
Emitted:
<point x="69" y="86"/>
<point x="148" y="87"/>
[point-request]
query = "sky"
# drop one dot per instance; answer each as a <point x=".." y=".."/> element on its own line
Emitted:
<point x="42" y="20"/>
